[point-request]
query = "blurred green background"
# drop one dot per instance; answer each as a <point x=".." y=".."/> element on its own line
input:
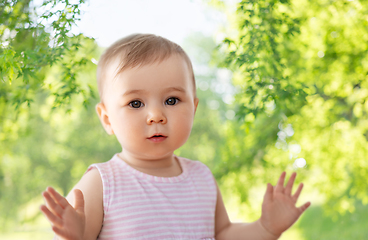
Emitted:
<point x="286" y="89"/>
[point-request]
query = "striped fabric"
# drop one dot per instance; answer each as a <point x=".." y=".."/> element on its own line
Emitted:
<point x="141" y="206"/>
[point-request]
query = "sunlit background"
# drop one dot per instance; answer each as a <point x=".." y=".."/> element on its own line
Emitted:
<point x="283" y="86"/>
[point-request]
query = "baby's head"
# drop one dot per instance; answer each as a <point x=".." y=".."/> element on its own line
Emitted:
<point x="134" y="51"/>
<point x="148" y="98"/>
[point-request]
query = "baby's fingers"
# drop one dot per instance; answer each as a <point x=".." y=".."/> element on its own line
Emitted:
<point x="290" y="183"/>
<point x="297" y="193"/>
<point x="55" y="208"/>
<point x="55" y="220"/>
<point x="60" y="199"/>
<point x="280" y="184"/>
<point x="269" y="193"/>
<point x="79" y="201"/>
<point x="304" y="207"/>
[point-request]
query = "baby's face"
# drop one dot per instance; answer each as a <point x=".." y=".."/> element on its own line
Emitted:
<point x="151" y="108"/>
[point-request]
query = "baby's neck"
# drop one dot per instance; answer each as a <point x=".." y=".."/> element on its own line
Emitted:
<point x="164" y="167"/>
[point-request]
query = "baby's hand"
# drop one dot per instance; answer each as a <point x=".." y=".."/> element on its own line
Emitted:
<point x="278" y="209"/>
<point x="67" y="222"/>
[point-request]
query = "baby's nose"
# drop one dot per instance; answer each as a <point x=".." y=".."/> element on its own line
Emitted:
<point x="156" y="116"/>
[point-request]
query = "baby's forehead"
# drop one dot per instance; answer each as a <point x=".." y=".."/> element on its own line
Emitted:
<point x="116" y="67"/>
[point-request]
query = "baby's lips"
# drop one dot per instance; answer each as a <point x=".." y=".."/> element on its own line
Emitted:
<point x="157" y="138"/>
<point x="157" y="135"/>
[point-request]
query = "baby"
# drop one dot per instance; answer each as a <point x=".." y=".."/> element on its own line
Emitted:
<point x="148" y="100"/>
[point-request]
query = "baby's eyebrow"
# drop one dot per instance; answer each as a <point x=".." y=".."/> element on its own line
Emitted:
<point x="169" y="89"/>
<point x="132" y="92"/>
<point x="178" y="89"/>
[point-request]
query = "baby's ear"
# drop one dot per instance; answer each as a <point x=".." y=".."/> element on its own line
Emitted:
<point x="104" y="118"/>
<point x="196" y="101"/>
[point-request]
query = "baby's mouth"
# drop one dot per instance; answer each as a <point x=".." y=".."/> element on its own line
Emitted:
<point x="157" y="137"/>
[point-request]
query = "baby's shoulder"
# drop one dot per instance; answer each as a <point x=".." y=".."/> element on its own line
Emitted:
<point x="191" y="162"/>
<point x="109" y="165"/>
<point x="194" y="166"/>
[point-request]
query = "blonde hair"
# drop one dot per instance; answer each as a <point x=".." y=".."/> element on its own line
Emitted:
<point x="138" y="50"/>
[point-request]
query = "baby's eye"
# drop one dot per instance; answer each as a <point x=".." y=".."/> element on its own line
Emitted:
<point x="136" y="104"/>
<point x="172" y="101"/>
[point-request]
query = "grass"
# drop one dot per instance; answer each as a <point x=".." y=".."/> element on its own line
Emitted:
<point x="352" y="226"/>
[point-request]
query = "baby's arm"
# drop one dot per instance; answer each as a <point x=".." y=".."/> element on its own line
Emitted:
<point x="278" y="214"/>
<point x="90" y="186"/>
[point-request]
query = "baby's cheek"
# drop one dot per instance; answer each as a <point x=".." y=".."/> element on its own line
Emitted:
<point x="185" y="129"/>
<point x="127" y="129"/>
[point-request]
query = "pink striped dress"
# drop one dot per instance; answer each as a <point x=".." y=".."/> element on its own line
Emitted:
<point x="141" y="206"/>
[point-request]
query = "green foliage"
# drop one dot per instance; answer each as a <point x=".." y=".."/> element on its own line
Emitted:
<point x="301" y="67"/>
<point x="260" y="53"/>
<point x="46" y="146"/>
<point x="33" y="38"/>
<point x="41" y="68"/>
